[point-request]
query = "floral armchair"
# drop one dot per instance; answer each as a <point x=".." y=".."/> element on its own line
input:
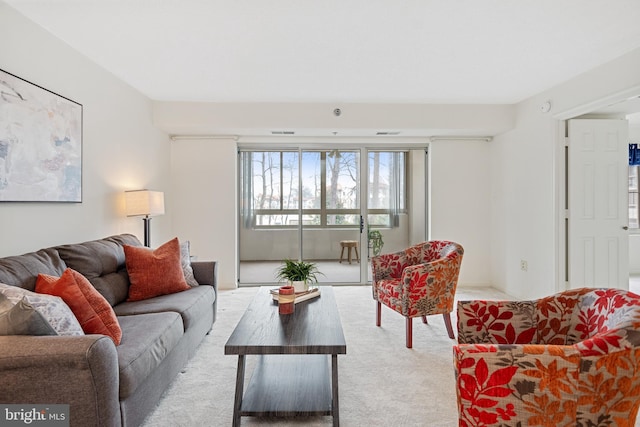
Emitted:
<point x="419" y="281"/>
<point x="571" y="359"/>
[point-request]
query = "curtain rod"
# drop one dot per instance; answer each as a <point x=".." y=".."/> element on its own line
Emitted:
<point x="460" y="138"/>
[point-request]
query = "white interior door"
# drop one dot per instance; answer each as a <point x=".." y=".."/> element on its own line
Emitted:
<point x="598" y="240"/>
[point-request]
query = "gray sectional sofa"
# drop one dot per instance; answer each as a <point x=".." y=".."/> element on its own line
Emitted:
<point x="105" y="384"/>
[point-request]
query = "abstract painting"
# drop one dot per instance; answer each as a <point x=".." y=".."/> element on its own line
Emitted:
<point x="40" y="144"/>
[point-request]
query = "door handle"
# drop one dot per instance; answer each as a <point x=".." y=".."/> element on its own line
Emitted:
<point x="361" y="224"/>
<point x="624" y="227"/>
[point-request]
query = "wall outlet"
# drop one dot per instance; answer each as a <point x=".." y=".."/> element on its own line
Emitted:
<point x="523" y="265"/>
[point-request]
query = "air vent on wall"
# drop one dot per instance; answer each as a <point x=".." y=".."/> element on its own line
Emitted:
<point x="282" y="132"/>
<point x="382" y="133"/>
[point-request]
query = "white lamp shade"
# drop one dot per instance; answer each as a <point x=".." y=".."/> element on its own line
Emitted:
<point x="144" y="202"/>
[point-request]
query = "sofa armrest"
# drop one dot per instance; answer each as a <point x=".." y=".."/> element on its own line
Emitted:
<point x="81" y="371"/>
<point x="205" y="272"/>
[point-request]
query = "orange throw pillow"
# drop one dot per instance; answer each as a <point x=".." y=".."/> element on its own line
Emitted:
<point x="154" y="272"/>
<point x="92" y="310"/>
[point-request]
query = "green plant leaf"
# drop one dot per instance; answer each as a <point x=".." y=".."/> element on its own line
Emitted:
<point x="298" y="271"/>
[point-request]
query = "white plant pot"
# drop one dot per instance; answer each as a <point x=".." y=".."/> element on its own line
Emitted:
<point x="299" y="285"/>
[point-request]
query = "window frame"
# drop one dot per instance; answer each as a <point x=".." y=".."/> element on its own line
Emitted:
<point x="323" y="212"/>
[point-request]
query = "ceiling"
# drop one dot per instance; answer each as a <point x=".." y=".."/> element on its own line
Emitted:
<point x="373" y="51"/>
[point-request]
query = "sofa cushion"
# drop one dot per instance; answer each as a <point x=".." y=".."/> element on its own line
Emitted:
<point x="52" y="308"/>
<point x="185" y="260"/>
<point x="102" y="262"/>
<point x="154" y="272"/>
<point x="190" y="304"/>
<point x="146" y="341"/>
<point x="92" y="310"/>
<point x="22" y="319"/>
<point x="23" y="270"/>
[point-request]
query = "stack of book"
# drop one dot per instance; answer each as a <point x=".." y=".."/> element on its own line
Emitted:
<point x="300" y="296"/>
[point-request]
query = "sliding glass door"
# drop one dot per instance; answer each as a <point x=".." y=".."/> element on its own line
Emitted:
<point x="334" y="207"/>
<point x="331" y="213"/>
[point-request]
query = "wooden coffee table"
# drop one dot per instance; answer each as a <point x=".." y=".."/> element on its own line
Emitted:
<point x="297" y="368"/>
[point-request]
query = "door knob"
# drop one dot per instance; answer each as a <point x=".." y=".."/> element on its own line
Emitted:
<point x="624" y="227"/>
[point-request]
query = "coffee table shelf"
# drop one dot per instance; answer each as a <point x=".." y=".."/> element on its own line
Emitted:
<point x="288" y="385"/>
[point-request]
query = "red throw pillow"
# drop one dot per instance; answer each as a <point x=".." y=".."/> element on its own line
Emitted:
<point x="154" y="272"/>
<point x="92" y="310"/>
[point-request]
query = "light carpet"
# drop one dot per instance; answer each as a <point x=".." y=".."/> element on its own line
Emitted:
<point x="381" y="382"/>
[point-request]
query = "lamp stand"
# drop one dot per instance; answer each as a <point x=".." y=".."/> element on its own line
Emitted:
<point x="147" y="231"/>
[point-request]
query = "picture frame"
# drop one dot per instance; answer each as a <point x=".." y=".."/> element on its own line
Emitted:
<point x="40" y="143"/>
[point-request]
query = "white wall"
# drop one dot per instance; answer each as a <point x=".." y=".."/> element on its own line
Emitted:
<point x="122" y="149"/>
<point x="317" y="119"/>
<point x="522" y="207"/>
<point x="204" y="201"/>
<point x="525" y="178"/>
<point x="459" y="200"/>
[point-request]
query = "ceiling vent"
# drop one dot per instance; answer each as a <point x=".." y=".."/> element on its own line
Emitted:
<point x="282" y="132"/>
<point x="393" y="133"/>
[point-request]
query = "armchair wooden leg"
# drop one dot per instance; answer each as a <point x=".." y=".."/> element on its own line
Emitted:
<point x="424" y="320"/>
<point x="409" y="332"/>
<point x="447" y="322"/>
<point x="378" y="314"/>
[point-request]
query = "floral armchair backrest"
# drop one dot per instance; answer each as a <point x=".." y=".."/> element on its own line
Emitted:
<point x="602" y="310"/>
<point x="391" y="265"/>
<point x="413" y="255"/>
<point x="565" y="318"/>
<point x="439" y="249"/>
<point x="557" y="316"/>
<point x="496" y="322"/>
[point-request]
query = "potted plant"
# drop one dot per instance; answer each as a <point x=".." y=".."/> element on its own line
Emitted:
<point x="298" y="273"/>
<point x="375" y="242"/>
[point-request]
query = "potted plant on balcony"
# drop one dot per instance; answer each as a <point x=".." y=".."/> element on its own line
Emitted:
<point x="298" y="273"/>
<point x="375" y="242"/>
